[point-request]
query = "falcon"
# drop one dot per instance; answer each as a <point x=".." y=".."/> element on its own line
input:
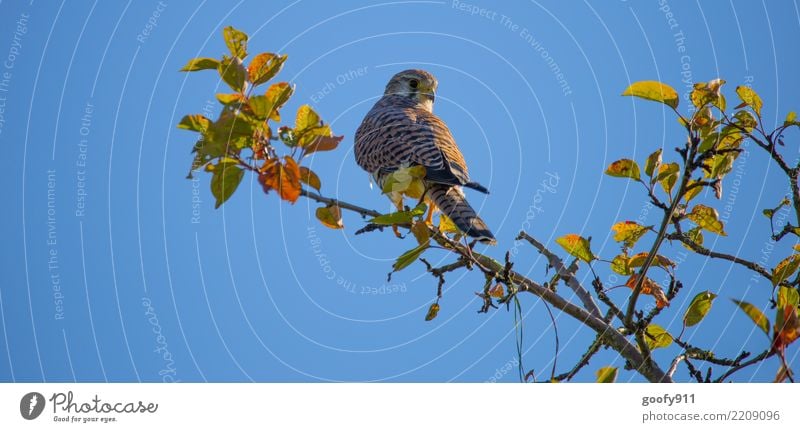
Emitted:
<point x="401" y="131"/>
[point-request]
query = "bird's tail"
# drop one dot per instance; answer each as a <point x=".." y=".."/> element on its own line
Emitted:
<point x="451" y="201"/>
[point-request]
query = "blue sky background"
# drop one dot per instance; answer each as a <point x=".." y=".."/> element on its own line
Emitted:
<point x="259" y="290"/>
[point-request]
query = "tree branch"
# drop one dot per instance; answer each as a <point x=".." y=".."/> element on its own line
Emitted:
<point x="568" y="276"/>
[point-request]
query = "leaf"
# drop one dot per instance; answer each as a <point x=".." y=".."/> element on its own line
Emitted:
<point x="323" y="143"/>
<point x="232" y="72"/>
<point x="447" y="225"/>
<point x="653" y="162"/>
<point x="707" y="218"/>
<point x="282" y="177"/>
<point x="421" y="232"/>
<point x="787" y="328"/>
<point x="236" y="41"/>
<point x="624" y="168"/>
<point x="229" y="98"/>
<point x="306" y="118"/>
<point x="649" y="287"/>
<point x="788" y="297"/>
<point x="787" y="267"/>
<point x="629" y="232"/>
<point x="405" y="181"/>
<point x="224" y="182"/>
<point x="330" y="216"/>
<point x="654" y="91"/>
<point x="656" y="337"/>
<point x="751" y="98"/>
<point x="576" y="246"/>
<point x="621" y="265"/>
<point x="200" y="63"/>
<point x="791" y="119"/>
<point x="698" y="308"/>
<point x="668" y="176"/>
<point x="433" y="311"/>
<point x="310" y="178"/>
<point x="708" y="93"/>
<point x="195" y="122"/>
<point x="278" y="94"/>
<point x="692" y="191"/>
<point x="660" y="260"/>
<point x="400" y="217"/>
<point x="696" y="235"/>
<point x="264" y="67"/>
<point x="409" y="257"/>
<point x="606" y="374"/>
<point x="755" y="314"/>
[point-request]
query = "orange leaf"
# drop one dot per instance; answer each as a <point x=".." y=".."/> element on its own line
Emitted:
<point x="787" y="328"/>
<point x="496" y="291"/>
<point x="284" y="178"/>
<point x="649" y="287"/>
<point x="323" y="143"/>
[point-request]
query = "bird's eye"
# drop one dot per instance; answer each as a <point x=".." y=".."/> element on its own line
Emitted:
<point x="413" y="83"/>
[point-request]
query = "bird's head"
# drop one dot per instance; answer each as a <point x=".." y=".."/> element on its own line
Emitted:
<point x="415" y="84"/>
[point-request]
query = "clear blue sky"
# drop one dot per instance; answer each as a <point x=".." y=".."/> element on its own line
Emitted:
<point x="109" y="275"/>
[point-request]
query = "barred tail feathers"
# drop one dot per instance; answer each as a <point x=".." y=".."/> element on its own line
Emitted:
<point x="451" y="201"/>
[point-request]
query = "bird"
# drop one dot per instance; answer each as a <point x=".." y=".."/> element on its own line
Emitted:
<point x="401" y="130"/>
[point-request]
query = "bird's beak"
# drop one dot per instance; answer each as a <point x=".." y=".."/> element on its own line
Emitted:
<point x="429" y="93"/>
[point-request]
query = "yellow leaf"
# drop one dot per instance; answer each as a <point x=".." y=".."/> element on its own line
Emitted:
<point x="692" y="192"/>
<point x="421" y="231"/>
<point x="653" y="90"/>
<point x="668" y="176"/>
<point x="653" y="162"/>
<point x="278" y="94"/>
<point x="330" y="216"/>
<point x="624" y="168"/>
<point x="236" y="41"/>
<point x="446" y="224"/>
<point x="751" y="98"/>
<point x="264" y="67"/>
<point x="659" y="260"/>
<point x="698" y="308"/>
<point x="707" y="218"/>
<point x="787" y="267"/>
<point x="576" y="246"/>
<point x="606" y="374"/>
<point x="656" y="337"/>
<point x="433" y="311"/>
<point x="306" y="118"/>
<point x="629" y="232"/>
<point x="755" y="314"/>
<point x="200" y="63"/>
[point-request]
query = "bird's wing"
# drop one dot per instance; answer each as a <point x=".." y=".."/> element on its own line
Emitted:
<point x="393" y="136"/>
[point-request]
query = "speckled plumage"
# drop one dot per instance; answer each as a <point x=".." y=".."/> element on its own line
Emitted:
<point x="401" y="130"/>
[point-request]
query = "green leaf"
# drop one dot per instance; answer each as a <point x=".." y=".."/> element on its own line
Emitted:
<point x="656" y="337"/>
<point x="409" y="257"/>
<point x="195" y="122"/>
<point x="654" y="91"/>
<point x="629" y="232"/>
<point x="692" y="191"/>
<point x="229" y="98"/>
<point x="788" y="297"/>
<point x="433" y="311"/>
<point x="576" y="246"/>
<point x="233" y="72"/>
<point x="306" y="118"/>
<point x="755" y="314"/>
<point x="264" y="67"/>
<point x="200" y="63"/>
<point x="653" y="162"/>
<point x="751" y="98"/>
<point x="787" y="267"/>
<point x="698" y="308"/>
<point x="606" y="374"/>
<point x="707" y="218"/>
<point x="621" y="265"/>
<point x="236" y="41"/>
<point x="696" y="235"/>
<point x="624" y="168"/>
<point x="400" y="217"/>
<point x="261" y="106"/>
<point x="224" y="182"/>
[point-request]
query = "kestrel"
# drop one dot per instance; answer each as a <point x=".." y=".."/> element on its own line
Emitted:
<point x="401" y="130"/>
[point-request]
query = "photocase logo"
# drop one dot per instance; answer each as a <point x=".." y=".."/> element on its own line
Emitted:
<point x="31" y="405"/>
